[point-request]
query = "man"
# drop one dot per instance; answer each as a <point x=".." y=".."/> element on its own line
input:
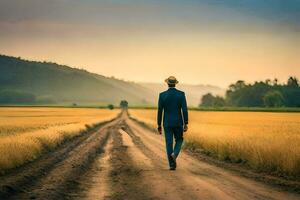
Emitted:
<point x="172" y="104"/>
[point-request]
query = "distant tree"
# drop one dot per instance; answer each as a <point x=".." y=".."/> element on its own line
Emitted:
<point x="110" y="106"/>
<point x="273" y="99"/>
<point x="219" y="101"/>
<point x="293" y="82"/>
<point x="291" y="92"/>
<point x="237" y="86"/>
<point x="234" y="92"/>
<point x="209" y="100"/>
<point x="124" y="104"/>
<point x="268" y="81"/>
<point x="74" y="104"/>
<point x="241" y="94"/>
<point x="275" y="82"/>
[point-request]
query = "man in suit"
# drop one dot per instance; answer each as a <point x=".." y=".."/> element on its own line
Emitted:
<point x="172" y="105"/>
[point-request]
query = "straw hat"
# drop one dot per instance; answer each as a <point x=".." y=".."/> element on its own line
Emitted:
<point x="171" y="80"/>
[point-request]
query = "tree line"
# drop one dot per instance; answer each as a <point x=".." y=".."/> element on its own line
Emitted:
<point x="259" y="94"/>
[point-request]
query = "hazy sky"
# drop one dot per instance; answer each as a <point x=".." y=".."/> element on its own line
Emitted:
<point x="199" y="41"/>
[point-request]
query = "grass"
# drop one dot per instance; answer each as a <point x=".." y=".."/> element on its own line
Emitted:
<point x="26" y="133"/>
<point x="265" y="141"/>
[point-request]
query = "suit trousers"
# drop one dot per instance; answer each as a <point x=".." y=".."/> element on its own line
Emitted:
<point x="171" y="133"/>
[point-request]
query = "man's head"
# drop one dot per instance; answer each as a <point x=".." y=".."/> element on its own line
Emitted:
<point x="171" y="81"/>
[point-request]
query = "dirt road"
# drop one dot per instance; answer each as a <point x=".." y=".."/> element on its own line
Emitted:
<point x="123" y="160"/>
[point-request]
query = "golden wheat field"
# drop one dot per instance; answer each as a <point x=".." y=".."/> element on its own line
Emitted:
<point x="25" y="133"/>
<point x="265" y="141"/>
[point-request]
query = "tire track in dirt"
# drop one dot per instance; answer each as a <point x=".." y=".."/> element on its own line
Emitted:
<point x="126" y="179"/>
<point x="58" y="172"/>
<point x="15" y="180"/>
<point x="159" y="179"/>
<point x="94" y="184"/>
<point x="115" y="175"/>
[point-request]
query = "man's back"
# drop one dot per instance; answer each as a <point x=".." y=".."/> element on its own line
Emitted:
<point x="173" y="103"/>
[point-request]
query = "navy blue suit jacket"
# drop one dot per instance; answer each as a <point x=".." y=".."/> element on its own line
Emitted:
<point x="172" y="105"/>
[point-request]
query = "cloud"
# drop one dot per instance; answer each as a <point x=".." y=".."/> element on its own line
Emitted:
<point x="151" y="12"/>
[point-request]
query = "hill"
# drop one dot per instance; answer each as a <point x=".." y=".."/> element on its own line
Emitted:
<point x="62" y="84"/>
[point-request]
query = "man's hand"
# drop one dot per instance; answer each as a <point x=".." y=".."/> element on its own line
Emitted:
<point x="159" y="130"/>
<point x="185" y="128"/>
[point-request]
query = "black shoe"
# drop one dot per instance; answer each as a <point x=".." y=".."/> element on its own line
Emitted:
<point x="174" y="159"/>
<point x="172" y="168"/>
